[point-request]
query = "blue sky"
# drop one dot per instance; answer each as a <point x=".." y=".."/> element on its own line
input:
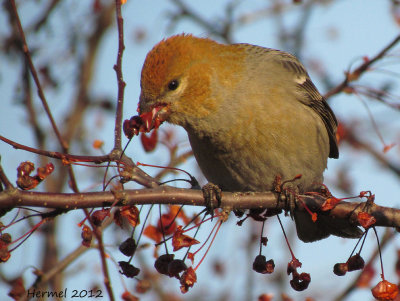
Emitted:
<point x="336" y="36"/>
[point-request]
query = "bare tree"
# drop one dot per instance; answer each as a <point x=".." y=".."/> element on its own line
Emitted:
<point x="55" y="53"/>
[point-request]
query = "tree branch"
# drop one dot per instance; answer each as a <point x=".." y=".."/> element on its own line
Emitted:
<point x="135" y="173"/>
<point x="120" y="78"/>
<point x="385" y="216"/>
<point x="351" y="76"/>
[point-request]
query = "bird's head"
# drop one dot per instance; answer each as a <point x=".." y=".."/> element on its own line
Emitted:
<point x="176" y="80"/>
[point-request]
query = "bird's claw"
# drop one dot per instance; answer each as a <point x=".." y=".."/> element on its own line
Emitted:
<point x="289" y="191"/>
<point x="290" y="196"/>
<point x="211" y="192"/>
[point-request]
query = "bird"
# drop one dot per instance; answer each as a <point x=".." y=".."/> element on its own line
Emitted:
<point x="251" y="113"/>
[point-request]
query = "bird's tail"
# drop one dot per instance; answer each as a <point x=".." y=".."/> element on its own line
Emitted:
<point x="309" y="231"/>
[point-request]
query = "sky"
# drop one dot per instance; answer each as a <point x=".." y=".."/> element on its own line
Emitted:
<point x="336" y="37"/>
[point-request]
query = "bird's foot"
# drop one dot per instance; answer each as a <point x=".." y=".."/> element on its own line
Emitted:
<point x="211" y="192"/>
<point x="288" y="191"/>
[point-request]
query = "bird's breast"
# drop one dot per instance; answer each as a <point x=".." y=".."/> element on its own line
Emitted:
<point x="246" y="149"/>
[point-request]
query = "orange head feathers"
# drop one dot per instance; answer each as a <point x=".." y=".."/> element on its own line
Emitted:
<point x="178" y="74"/>
<point x="167" y="61"/>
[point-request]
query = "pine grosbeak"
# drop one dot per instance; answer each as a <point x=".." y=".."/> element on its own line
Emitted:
<point x="251" y="114"/>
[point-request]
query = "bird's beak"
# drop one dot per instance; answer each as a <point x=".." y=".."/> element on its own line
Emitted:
<point x="152" y="116"/>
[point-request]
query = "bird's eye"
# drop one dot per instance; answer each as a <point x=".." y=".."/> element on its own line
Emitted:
<point x="173" y="84"/>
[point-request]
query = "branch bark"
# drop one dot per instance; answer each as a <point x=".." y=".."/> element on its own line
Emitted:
<point x="10" y="198"/>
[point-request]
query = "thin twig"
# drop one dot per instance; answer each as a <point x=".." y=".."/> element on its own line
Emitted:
<point x="186" y="11"/>
<point x="350" y="76"/>
<point x="46" y="14"/>
<point x="98" y="233"/>
<point x="389" y="234"/>
<point x="37" y="130"/>
<point x="35" y="76"/>
<point x="137" y="175"/>
<point x="120" y="78"/>
<point x="63" y="264"/>
<point x="57" y="155"/>
<point x="25" y="49"/>
<point x="379" y="155"/>
<point x="4" y="179"/>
